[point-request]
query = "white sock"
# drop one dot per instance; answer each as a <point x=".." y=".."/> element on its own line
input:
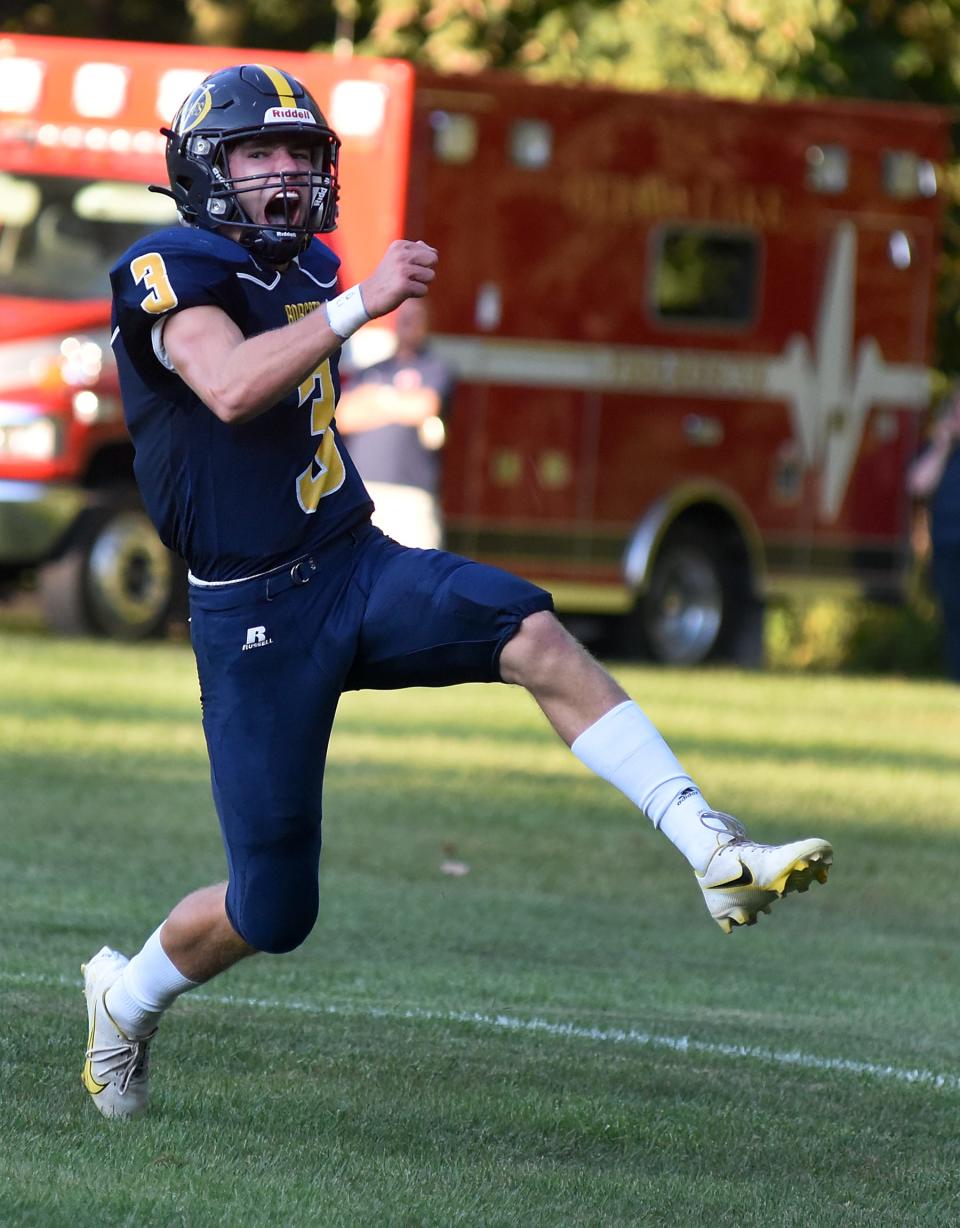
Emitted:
<point x="684" y="827"/>
<point x="625" y="748"/>
<point x="145" y="988"/>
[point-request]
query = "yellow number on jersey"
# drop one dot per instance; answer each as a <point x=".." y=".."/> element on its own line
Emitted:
<point x="151" y="270"/>
<point x="325" y="473"/>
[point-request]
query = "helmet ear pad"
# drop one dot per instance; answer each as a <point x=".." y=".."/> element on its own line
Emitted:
<point x="249" y="101"/>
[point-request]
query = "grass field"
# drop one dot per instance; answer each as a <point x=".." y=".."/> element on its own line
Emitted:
<point x="560" y="1036"/>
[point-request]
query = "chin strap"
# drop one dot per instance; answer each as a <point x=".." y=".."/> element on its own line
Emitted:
<point x="269" y="246"/>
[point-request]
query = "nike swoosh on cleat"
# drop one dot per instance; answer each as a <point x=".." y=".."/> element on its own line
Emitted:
<point x="89" y="1082"/>
<point x="746" y="879"/>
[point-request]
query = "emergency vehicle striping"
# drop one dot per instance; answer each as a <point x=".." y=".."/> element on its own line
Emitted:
<point x="829" y="388"/>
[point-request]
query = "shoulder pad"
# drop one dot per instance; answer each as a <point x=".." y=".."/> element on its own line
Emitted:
<point x="188" y="241"/>
<point x="176" y="268"/>
<point x="319" y="261"/>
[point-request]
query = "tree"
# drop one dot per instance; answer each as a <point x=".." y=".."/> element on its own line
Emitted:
<point x="132" y="19"/>
<point x="738" y="48"/>
<point x="900" y="50"/>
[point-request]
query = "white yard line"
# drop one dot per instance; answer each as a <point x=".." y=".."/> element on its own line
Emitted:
<point x="563" y="1031"/>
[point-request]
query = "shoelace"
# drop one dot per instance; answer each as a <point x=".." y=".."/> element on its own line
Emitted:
<point x="724" y="825"/>
<point x="127" y="1059"/>
<point x="730" y="832"/>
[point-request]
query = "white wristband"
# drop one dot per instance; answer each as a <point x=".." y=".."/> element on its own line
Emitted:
<point x="346" y="312"/>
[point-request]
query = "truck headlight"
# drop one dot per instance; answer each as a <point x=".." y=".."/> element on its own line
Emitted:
<point x="90" y="407"/>
<point x="80" y="361"/>
<point x="36" y="440"/>
<point x="75" y="363"/>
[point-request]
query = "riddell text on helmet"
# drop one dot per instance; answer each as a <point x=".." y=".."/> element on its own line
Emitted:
<point x="284" y="115"/>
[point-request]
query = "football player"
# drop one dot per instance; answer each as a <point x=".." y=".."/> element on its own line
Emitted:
<point x="227" y="331"/>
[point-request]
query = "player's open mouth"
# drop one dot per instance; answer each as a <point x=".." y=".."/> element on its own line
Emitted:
<point x="283" y="209"/>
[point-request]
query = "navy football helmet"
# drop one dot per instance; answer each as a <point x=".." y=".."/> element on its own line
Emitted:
<point x="237" y="104"/>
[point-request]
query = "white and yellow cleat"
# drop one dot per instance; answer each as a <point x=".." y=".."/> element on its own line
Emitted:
<point x="744" y="878"/>
<point x="115" y="1067"/>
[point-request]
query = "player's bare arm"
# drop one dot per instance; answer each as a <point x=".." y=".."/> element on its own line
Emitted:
<point x="239" y="377"/>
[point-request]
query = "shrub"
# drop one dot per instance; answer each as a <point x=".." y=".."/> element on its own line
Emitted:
<point x="856" y="636"/>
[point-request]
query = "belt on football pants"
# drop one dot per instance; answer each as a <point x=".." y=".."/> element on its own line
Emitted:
<point x="300" y="572"/>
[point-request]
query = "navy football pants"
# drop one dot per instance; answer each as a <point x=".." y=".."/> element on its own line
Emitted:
<point x="275" y="653"/>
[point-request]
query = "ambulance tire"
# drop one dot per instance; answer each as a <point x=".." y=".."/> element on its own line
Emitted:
<point x="697" y="606"/>
<point x="114" y="579"/>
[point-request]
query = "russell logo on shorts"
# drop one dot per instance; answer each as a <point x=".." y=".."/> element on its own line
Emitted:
<point x="256" y="638"/>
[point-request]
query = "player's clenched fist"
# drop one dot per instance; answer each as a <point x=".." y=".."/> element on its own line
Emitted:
<point x="406" y="271"/>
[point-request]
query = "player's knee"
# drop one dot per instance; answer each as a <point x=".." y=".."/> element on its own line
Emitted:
<point x="282" y="933"/>
<point x="278" y="904"/>
<point x="537" y="651"/>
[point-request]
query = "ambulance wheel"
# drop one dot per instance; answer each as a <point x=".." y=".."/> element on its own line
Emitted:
<point x="115" y="579"/>
<point x="694" y="603"/>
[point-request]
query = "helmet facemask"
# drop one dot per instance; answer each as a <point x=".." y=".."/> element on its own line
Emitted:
<point x="289" y="224"/>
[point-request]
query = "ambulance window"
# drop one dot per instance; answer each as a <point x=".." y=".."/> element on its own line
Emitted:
<point x="19" y="201"/>
<point x="127" y="203"/>
<point x="706" y="276"/>
<point x="907" y="176"/>
<point x="59" y="236"/>
<point x="531" y="144"/>
<point x="454" y="137"/>
<point x="828" y="169"/>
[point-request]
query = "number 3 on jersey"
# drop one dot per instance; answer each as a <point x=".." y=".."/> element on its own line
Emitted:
<point x="151" y="270"/>
<point x="325" y="473"/>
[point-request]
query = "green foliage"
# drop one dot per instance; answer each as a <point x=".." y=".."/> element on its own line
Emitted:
<point x="901" y="50"/>
<point x="128" y="19"/>
<point x="740" y="49"/>
<point x="286" y="24"/>
<point x="856" y="637"/>
<point x="808" y="635"/>
<point x="904" y="49"/>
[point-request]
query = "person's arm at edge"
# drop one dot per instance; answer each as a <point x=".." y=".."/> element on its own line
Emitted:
<point x="924" y="474"/>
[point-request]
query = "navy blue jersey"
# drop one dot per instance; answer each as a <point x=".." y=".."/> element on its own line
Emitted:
<point x="233" y="500"/>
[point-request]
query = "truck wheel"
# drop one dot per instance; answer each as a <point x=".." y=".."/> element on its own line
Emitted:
<point x="689" y="607"/>
<point x="116" y="579"/>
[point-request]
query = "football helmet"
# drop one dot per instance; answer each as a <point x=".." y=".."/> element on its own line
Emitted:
<point x="237" y="104"/>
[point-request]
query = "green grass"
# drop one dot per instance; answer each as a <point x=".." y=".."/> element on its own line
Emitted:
<point x="390" y="1072"/>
